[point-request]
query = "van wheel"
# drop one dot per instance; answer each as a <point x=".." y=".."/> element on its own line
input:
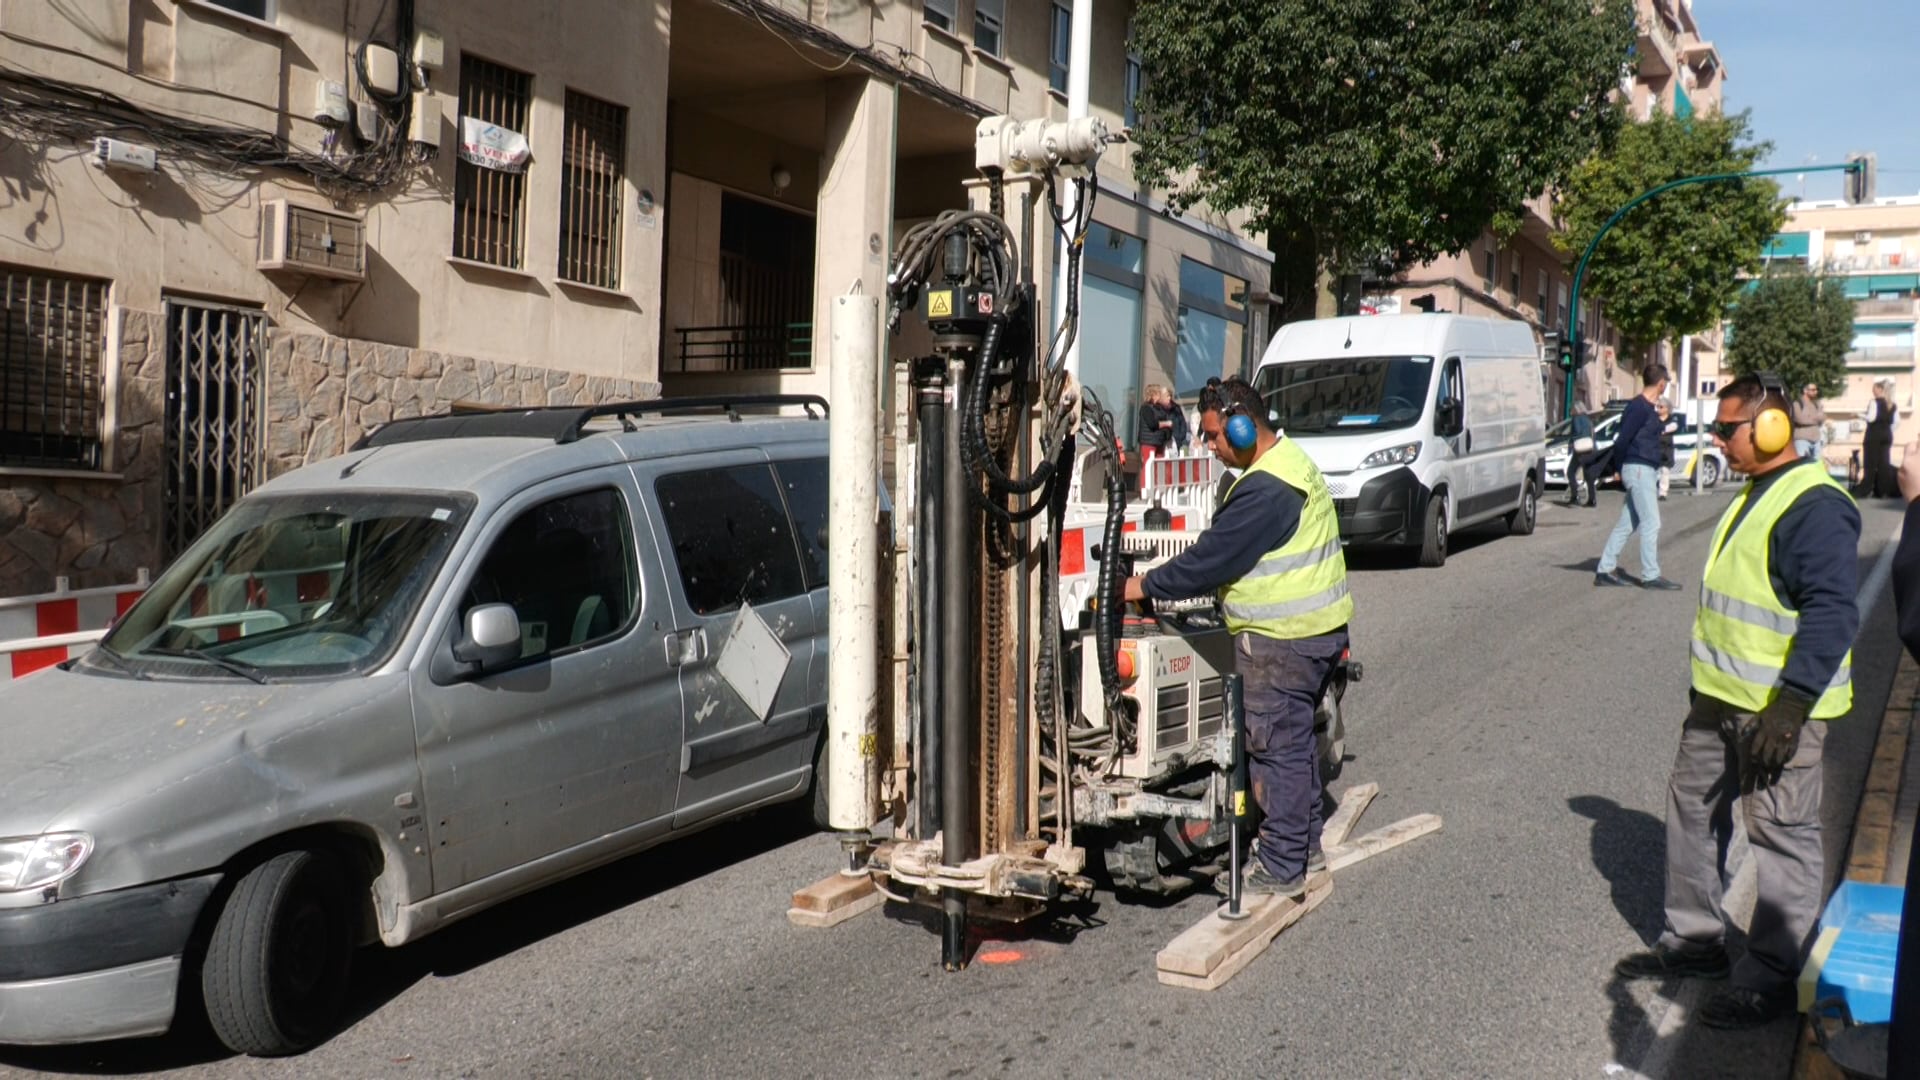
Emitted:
<point x="1433" y="542"/>
<point x="1520" y="521"/>
<point x="275" y="976"/>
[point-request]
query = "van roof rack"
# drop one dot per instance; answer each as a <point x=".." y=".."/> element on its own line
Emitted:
<point x="566" y="423"/>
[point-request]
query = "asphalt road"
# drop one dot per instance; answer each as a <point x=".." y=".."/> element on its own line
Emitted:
<point x="1537" y="714"/>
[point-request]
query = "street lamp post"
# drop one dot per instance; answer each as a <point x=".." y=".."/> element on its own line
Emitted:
<point x="1572" y="347"/>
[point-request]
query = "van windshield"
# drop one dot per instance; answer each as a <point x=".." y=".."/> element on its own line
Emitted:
<point x="1346" y="395"/>
<point x="289" y="585"/>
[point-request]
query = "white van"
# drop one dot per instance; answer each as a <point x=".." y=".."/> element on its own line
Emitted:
<point x="1422" y="424"/>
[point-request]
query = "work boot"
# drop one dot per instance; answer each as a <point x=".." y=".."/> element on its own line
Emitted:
<point x="1260" y="881"/>
<point x="1661" y="584"/>
<point x="1666" y="962"/>
<point x="1738" y="1007"/>
<point x="1609" y="577"/>
<point x="1316" y="861"/>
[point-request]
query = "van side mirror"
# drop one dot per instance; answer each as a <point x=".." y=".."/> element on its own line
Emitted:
<point x="1447" y="417"/>
<point x="490" y="638"/>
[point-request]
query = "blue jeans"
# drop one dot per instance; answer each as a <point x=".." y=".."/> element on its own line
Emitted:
<point x="1642" y="512"/>
<point x="1284" y="681"/>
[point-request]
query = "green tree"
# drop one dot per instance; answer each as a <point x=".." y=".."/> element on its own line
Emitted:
<point x="1676" y="262"/>
<point x="1371" y="135"/>
<point x="1795" y="324"/>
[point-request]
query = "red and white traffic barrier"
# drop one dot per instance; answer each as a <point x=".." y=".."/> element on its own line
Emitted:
<point x="44" y="630"/>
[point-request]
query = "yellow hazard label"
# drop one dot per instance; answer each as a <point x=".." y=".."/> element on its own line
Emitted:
<point x="940" y="304"/>
<point x="869" y="745"/>
<point x="1239" y="804"/>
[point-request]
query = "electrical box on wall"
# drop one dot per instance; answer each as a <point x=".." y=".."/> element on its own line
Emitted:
<point x="124" y="156"/>
<point x="308" y="240"/>
<point x="429" y="49"/>
<point x="424" y="126"/>
<point x="330" y="104"/>
<point x="367" y="121"/>
<point x="383" y="70"/>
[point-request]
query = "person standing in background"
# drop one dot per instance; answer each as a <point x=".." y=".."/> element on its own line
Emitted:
<point x="1668" y="426"/>
<point x="1878" y="481"/>
<point x="1809" y="422"/>
<point x="1155" y="429"/>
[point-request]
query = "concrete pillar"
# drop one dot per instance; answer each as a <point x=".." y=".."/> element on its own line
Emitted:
<point x="853" y="234"/>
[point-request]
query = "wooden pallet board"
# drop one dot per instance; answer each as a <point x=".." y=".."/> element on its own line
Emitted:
<point x="832" y="901"/>
<point x="1353" y="803"/>
<point x="1383" y="839"/>
<point x="1213" y="950"/>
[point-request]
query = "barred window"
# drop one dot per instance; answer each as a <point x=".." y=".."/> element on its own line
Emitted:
<point x="52" y="333"/>
<point x="490" y="205"/>
<point x="590" y="191"/>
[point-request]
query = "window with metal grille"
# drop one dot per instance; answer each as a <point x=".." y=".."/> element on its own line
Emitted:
<point x="490" y="205"/>
<point x="590" y="187"/>
<point x="1060" y="51"/>
<point x="52" y="334"/>
<point x="215" y="415"/>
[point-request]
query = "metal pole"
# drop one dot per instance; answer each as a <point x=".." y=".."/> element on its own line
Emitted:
<point x="1079" y="69"/>
<point x="853" y="565"/>
<point x="955" y="651"/>
<point x="1233" y="691"/>
<point x="1580" y="270"/>
<point x="928" y="578"/>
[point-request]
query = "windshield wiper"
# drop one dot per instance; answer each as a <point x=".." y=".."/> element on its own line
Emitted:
<point x="238" y="667"/>
<point x="118" y="661"/>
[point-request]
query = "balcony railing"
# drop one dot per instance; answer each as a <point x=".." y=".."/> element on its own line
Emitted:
<point x="1908" y="260"/>
<point x="1881" y="356"/>
<point x="1871" y="308"/>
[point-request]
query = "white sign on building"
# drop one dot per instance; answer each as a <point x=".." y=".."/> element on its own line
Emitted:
<point x="491" y="146"/>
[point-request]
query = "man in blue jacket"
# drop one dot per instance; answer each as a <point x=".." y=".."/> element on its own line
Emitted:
<point x="1636" y="457"/>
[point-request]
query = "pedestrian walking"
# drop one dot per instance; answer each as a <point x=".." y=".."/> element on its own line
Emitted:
<point x="1273" y="556"/>
<point x="1636" y="458"/>
<point x="1879" y="481"/>
<point x="1584" y="460"/>
<point x="1668" y="428"/>
<point x="1772" y="650"/>
<point x="1809" y="423"/>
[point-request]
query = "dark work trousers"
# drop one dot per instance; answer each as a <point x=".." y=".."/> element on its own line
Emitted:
<point x="1783" y="831"/>
<point x="1903" y="1049"/>
<point x="1284" y="681"/>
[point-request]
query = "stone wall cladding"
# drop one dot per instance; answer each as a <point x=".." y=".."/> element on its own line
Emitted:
<point x="323" y="393"/>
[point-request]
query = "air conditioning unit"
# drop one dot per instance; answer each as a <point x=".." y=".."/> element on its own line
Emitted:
<point x="306" y="240"/>
<point x="1862" y="237"/>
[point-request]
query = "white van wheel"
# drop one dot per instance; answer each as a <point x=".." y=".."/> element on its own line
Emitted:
<point x="1433" y="541"/>
<point x="1520" y="521"/>
<point x="275" y="975"/>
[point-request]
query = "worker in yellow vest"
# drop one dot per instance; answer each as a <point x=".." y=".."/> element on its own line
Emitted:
<point x="1772" y="664"/>
<point x="1273" y="556"/>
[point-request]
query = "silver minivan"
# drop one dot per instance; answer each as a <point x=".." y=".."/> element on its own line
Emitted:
<point x="476" y="654"/>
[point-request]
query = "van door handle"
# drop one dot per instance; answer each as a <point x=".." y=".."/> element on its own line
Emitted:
<point x="686" y="647"/>
<point x="1469" y="442"/>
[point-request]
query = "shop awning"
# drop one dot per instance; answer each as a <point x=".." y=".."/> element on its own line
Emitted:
<point x="1857" y="288"/>
<point x="1787" y="246"/>
<point x="1880" y="283"/>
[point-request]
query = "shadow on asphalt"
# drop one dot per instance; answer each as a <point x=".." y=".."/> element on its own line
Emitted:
<point x="382" y="974"/>
<point x="1629" y="849"/>
<point x="1407" y="558"/>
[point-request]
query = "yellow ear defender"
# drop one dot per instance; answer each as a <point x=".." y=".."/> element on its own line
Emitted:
<point x="1772" y="427"/>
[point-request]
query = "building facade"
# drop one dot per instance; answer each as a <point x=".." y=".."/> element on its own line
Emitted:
<point x="1526" y="277"/>
<point x="306" y="224"/>
<point x="1874" y="250"/>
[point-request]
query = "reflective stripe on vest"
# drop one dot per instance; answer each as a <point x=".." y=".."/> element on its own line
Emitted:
<point x="1742" y="633"/>
<point x="1298" y="589"/>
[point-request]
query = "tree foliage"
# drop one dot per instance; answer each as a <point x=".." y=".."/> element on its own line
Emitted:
<point x="1375" y="133"/>
<point x="1795" y="324"/>
<point x="1675" y="263"/>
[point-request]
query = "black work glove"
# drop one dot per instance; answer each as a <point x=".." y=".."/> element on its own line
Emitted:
<point x="1775" y="736"/>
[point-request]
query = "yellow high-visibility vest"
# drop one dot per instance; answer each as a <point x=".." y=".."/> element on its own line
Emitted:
<point x="1742" y="633"/>
<point x="1298" y="589"/>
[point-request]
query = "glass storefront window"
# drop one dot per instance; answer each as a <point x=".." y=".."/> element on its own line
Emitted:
<point x="1212" y="327"/>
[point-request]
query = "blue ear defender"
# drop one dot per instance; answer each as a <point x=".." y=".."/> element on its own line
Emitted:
<point x="1241" y="434"/>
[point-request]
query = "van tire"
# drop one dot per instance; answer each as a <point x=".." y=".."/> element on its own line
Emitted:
<point x="275" y="975"/>
<point x="1709" y="472"/>
<point x="1521" y="520"/>
<point x="1433" y="539"/>
<point x="817" y="789"/>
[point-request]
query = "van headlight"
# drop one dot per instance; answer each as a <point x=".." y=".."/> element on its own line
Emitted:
<point x="32" y="862"/>
<point x="1392" y="455"/>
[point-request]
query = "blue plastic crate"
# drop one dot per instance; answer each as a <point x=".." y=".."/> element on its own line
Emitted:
<point x="1853" y="954"/>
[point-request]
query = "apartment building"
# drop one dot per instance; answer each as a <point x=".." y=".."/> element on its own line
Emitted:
<point x="1874" y="249"/>
<point x="1525" y="277"/>
<point x="307" y="223"/>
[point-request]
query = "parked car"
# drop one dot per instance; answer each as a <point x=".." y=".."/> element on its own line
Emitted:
<point x="1421" y="424"/>
<point x="1606" y="424"/>
<point x="475" y="655"/>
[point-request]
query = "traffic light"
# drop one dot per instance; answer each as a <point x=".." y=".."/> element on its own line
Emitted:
<point x="1555" y="344"/>
<point x="1861" y="181"/>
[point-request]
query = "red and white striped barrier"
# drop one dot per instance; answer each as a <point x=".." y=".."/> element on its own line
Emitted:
<point x="44" y="630"/>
